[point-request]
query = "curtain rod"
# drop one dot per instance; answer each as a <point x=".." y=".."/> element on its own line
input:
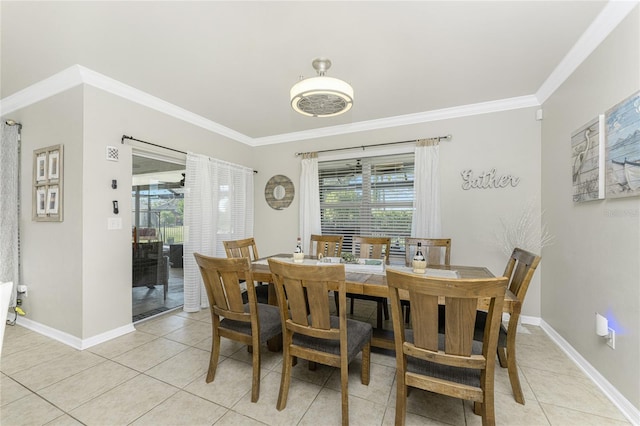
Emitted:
<point x="439" y="138"/>
<point x="149" y="143"/>
<point x="159" y="146"/>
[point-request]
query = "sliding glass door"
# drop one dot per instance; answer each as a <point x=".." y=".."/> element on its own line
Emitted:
<point x="157" y="196"/>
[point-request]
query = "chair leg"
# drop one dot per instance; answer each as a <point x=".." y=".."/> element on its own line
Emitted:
<point x="488" y="410"/>
<point x="513" y="370"/>
<point x="285" y="378"/>
<point x="407" y="313"/>
<point x="335" y="297"/>
<point x="502" y="357"/>
<point x="385" y="308"/>
<point x="365" y="373"/>
<point x="255" y="385"/>
<point x="401" y="399"/>
<point x="344" y="381"/>
<point x="512" y="366"/>
<point x="215" y="355"/>
<point x="379" y="315"/>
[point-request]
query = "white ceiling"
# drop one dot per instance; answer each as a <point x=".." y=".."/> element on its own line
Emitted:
<point x="233" y="63"/>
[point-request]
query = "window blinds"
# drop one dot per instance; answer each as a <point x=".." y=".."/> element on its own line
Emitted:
<point x="370" y="196"/>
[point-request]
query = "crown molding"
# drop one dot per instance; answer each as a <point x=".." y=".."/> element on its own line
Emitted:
<point x="608" y="19"/>
<point x="77" y="74"/>
<point x="404" y="120"/>
<point x="51" y="86"/>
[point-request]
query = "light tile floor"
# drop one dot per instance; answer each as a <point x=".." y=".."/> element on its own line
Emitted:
<point x="156" y="376"/>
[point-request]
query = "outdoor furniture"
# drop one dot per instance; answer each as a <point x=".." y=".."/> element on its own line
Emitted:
<point x="150" y="267"/>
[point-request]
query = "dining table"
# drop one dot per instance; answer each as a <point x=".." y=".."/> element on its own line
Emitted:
<point x="375" y="284"/>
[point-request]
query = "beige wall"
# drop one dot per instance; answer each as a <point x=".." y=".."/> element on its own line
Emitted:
<point x="77" y="271"/>
<point x="507" y="141"/>
<point x="52" y="252"/>
<point x="594" y="265"/>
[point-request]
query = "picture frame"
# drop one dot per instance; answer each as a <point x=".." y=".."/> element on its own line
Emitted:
<point x="41" y="167"/>
<point x="54" y="163"/>
<point x="41" y="201"/>
<point x="52" y="200"/>
<point x="623" y="148"/>
<point x="48" y="171"/>
<point x="587" y="161"/>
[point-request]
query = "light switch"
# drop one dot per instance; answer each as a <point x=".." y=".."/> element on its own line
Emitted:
<point x="114" y="223"/>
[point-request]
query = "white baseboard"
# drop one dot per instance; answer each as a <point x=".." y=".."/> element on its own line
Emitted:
<point x="628" y="410"/>
<point x="74" y="341"/>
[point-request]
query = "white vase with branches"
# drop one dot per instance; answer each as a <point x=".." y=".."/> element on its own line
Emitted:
<point x="522" y="232"/>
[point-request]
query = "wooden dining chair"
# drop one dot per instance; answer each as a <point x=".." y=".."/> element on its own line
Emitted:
<point x="436" y="251"/>
<point x="250" y="323"/>
<point x="372" y="248"/>
<point x="247" y="247"/>
<point x="450" y="363"/>
<point x="327" y="245"/>
<point x="519" y="270"/>
<point x="310" y="331"/>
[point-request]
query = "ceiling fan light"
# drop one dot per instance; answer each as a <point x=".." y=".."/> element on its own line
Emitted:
<point x="321" y="96"/>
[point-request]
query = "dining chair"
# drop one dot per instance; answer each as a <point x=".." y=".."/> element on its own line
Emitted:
<point x="450" y="363"/>
<point x="436" y="251"/>
<point x="372" y="248"/>
<point x="519" y="270"/>
<point x="327" y="245"/>
<point x="247" y="247"/>
<point x="250" y="323"/>
<point x="310" y="331"/>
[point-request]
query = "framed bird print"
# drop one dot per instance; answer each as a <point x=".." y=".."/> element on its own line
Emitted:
<point x="587" y="161"/>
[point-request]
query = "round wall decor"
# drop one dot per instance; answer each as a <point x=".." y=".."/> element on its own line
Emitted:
<point x="279" y="192"/>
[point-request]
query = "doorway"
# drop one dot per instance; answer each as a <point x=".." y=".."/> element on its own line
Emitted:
<point x="157" y="195"/>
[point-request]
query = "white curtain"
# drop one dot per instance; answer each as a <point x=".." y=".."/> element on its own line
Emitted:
<point x="218" y="207"/>
<point x="309" y="199"/>
<point x="426" y="215"/>
<point x="9" y="206"/>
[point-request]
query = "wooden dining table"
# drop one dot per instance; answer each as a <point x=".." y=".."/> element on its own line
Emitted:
<point x="376" y="285"/>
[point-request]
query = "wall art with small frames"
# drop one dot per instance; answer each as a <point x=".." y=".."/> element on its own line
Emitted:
<point x="48" y="168"/>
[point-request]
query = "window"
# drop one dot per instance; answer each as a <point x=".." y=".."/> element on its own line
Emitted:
<point x="369" y="196"/>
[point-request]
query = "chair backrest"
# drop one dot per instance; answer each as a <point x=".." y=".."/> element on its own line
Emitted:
<point x="221" y="277"/>
<point x="327" y="245"/>
<point x="437" y="251"/>
<point x="241" y="248"/>
<point x="372" y="248"/>
<point x="520" y="269"/>
<point x="304" y="290"/>
<point x="461" y="297"/>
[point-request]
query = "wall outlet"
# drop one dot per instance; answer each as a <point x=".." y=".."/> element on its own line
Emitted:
<point x="611" y="340"/>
